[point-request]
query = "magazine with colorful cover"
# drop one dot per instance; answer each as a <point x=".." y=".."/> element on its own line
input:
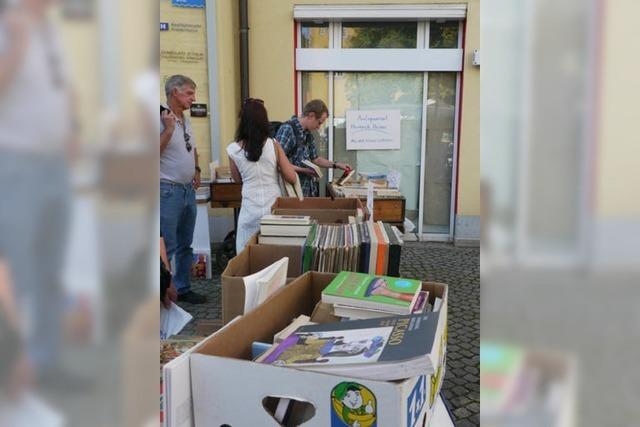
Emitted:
<point x="392" y="294"/>
<point x="388" y="348"/>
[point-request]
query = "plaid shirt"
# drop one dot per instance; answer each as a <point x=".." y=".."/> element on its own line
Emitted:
<point x="298" y="145"/>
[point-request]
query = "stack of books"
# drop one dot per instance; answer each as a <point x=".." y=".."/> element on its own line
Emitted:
<point x="360" y="191"/>
<point x="332" y="248"/>
<point x="369" y="247"/>
<point x="365" y="296"/>
<point x="291" y="230"/>
<point x="386" y="349"/>
<point x="381" y="250"/>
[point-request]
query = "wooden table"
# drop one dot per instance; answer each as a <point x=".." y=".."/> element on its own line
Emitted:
<point x="385" y="209"/>
<point x="225" y="194"/>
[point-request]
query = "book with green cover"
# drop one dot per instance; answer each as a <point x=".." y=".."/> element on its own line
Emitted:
<point x="391" y="294"/>
<point x="307" y="255"/>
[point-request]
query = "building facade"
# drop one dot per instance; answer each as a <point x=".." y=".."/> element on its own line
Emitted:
<point x="414" y="60"/>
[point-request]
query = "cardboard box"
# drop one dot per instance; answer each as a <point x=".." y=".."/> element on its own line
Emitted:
<point x="206" y="327"/>
<point x="176" y="399"/>
<point x="222" y="373"/>
<point x="252" y="259"/>
<point x="325" y="210"/>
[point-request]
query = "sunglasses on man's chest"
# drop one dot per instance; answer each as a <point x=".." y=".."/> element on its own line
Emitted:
<point x="187" y="137"/>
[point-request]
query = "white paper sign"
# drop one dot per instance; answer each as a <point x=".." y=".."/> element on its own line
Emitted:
<point x="373" y="130"/>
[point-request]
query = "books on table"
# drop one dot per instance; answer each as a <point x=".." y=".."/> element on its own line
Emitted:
<point x="346" y="176"/>
<point x="383" y="293"/>
<point x="386" y="349"/>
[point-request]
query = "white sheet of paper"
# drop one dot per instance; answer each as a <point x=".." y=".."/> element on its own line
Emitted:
<point x="30" y="410"/>
<point x="258" y="286"/>
<point x="173" y="320"/>
<point x="393" y="179"/>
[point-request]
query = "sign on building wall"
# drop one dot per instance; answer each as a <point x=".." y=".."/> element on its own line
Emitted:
<point x="188" y="3"/>
<point x="373" y="130"/>
<point x="183" y="50"/>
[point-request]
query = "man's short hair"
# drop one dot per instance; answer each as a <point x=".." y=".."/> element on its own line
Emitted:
<point x="176" y="82"/>
<point x="316" y="106"/>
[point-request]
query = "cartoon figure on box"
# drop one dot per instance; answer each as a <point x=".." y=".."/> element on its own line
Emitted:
<point x="437" y="377"/>
<point x="352" y="405"/>
<point x="309" y="348"/>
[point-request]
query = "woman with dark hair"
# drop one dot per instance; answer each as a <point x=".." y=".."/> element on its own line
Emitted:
<point x="255" y="161"/>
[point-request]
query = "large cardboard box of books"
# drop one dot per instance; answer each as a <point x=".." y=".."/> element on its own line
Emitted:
<point x="325" y="210"/>
<point x="252" y="259"/>
<point x="230" y="389"/>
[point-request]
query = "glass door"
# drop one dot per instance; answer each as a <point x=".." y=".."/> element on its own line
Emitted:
<point x="383" y="91"/>
<point x="439" y="154"/>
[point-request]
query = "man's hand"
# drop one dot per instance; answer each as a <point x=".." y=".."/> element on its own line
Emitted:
<point x="343" y="166"/>
<point x="196" y="180"/>
<point x="21" y="378"/>
<point x="170" y="296"/>
<point x="18" y="22"/>
<point x="168" y="120"/>
<point x="309" y="171"/>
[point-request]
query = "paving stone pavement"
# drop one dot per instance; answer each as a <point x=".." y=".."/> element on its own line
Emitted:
<point x="440" y="262"/>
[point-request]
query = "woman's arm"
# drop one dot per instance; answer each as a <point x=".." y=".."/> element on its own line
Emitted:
<point x="235" y="173"/>
<point x="286" y="168"/>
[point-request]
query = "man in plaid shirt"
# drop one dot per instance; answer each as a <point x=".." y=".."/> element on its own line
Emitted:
<point x="297" y="142"/>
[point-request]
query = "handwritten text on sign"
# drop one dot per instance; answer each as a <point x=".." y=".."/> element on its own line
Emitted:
<point x="373" y="130"/>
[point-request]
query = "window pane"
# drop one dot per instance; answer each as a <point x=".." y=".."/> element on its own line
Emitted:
<point x="371" y="35"/>
<point x="383" y="91"/>
<point x="439" y="159"/>
<point x="443" y="34"/>
<point x="314" y="35"/>
<point x="315" y="85"/>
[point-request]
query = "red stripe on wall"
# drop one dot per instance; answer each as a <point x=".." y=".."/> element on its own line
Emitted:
<point x="295" y="73"/>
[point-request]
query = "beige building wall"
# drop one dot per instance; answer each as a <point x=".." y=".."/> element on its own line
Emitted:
<point x="80" y="39"/>
<point x="617" y="150"/>
<point x="271" y="58"/>
<point x="469" y="146"/>
<point x="228" y="46"/>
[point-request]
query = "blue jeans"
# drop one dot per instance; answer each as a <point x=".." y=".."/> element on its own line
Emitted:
<point x="177" y="222"/>
<point x="34" y="216"/>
